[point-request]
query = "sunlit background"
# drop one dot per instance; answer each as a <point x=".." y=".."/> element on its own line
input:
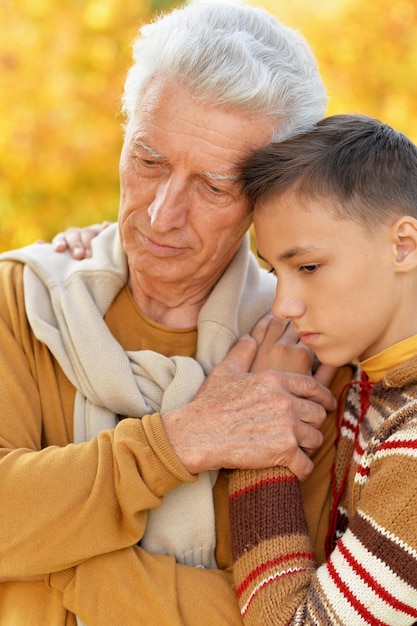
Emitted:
<point x="62" y="67"/>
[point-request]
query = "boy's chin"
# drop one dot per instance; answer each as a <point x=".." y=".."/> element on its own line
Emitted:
<point x="335" y="360"/>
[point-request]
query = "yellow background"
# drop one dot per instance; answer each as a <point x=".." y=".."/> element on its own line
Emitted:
<point x="62" y="67"/>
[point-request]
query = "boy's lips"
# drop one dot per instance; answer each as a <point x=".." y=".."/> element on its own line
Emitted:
<point x="308" y="337"/>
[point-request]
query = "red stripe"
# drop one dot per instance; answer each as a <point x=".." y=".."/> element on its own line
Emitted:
<point x="266" y="583"/>
<point x="262" y="483"/>
<point x="407" y="444"/>
<point x="270" y="564"/>
<point x="373" y="584"/>
<point x="358" y="448"/>
<point x="348" y="426"/>
<point x="358" y="606"/>
<point x="363" y="471"/>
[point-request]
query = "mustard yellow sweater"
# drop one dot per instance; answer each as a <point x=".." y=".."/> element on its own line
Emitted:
<point x="74" y="513"/>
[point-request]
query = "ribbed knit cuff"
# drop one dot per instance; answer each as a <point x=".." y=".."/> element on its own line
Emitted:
<point x="270" y="543"/>
<point x="60" y="580"/>
<point x="157" y="438"/>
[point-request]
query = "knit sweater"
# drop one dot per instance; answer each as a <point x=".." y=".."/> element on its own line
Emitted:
<point x="370" y="575"/>
<point x="75" y="512"/>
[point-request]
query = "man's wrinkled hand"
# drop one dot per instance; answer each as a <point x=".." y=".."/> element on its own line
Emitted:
<point x="250" y="420"/>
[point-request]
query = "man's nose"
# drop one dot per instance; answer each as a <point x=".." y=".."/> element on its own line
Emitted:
<point x="169" y="207"/>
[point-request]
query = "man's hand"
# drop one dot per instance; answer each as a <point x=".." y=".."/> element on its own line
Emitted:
<point x="78" y="240"/>
<point x="250" y="420"/>
<point x="25" y="579"/>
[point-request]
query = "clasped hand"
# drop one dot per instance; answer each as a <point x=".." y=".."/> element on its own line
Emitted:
<point x="251" y="413"/>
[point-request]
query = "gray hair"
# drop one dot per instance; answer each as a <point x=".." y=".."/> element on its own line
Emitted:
<point x="239" y="57"/>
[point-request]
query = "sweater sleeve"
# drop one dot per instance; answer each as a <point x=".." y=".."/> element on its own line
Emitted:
<point x="371" y="575"/>
<point x="63" y="503"/>
<point x="153" y="589"/>
<point x="73" y="512"/>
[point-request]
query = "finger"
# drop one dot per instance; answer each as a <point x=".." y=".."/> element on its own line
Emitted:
<point x="309" y="437"/>
<point x="78" y="240"/>
<point x="308" y="387"/>
<point x="324" y="374"/>
<point x="69" y="240"/>
<point x="86" y="237"/>
<point x="88" y="234"/>
<point x="289" y="336"/>
<point x="311" y="414"/>
<point x="38" y="578"/>
<point x="300" y="464"/>
<point x="276" y="330"/>
<point x="261" y="327"/>
<point x="239" y="358"/>
<point x="58" y="243"/>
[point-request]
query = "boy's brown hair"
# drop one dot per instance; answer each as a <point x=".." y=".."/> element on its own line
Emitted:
<point x="367" y="167"/>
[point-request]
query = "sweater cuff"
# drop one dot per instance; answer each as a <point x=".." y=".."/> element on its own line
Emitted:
<point x="264" y="504"/>
<point x="158" y="440"/>
<point x="270" y="542"/>
<point x="60" y="580"/>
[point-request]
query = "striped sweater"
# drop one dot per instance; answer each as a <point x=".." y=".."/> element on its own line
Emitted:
<point x="370" y="576"/>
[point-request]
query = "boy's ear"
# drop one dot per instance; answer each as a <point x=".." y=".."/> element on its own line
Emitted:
<point x="404" y="233"/>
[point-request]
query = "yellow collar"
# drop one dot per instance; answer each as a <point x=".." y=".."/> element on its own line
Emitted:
<point x="378" y="365"/>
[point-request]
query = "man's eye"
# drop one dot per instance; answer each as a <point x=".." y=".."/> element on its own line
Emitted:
<point x="215" y="189"/>
<point x="150" y="162"/>
<point x="146" y="166"/>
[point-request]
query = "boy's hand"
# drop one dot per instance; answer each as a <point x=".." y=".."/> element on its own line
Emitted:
<point x="78" y="240"/>
<point x="279" y="348"/>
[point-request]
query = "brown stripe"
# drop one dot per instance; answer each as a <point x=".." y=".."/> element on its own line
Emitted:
<point x="263" y="512"/>
<point x="397" y="559"/>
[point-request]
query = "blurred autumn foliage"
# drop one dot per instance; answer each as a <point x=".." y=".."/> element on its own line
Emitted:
<point x="62" y="67"/>
<point x="367" y="54"/>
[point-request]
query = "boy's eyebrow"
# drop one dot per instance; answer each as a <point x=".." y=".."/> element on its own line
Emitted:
<point x="296" y="251"/>
<point x="212" y="175"/>
<point x="292" y="252"/>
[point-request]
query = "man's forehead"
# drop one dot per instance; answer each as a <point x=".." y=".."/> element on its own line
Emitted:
<point x="175" y="127"/>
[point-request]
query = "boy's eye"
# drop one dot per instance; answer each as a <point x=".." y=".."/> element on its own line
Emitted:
<point x="310" y="268"/>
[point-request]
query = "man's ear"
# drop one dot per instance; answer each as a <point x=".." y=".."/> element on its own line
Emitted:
<point x="404" y="237"/>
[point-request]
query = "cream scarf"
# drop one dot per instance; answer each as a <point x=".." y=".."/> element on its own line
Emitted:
<point x="66" y="301"/>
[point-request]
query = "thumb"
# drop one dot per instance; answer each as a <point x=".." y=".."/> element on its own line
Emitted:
<point x="239" y="358"/>
<point x="324" y="374"/>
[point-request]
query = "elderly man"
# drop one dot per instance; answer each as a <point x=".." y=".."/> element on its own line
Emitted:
<point x="114" y="496"/>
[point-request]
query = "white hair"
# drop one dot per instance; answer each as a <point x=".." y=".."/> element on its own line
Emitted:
<point x="240" y="57"/>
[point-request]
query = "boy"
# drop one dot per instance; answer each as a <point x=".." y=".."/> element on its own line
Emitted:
<point x="335" y="214"/>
